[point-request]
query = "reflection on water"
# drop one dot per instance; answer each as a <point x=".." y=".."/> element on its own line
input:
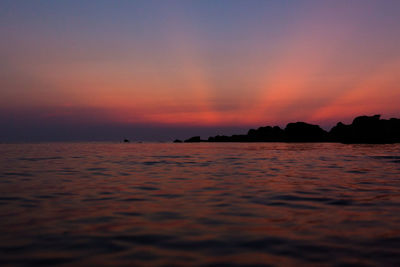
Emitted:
<point x="199" y="204"/>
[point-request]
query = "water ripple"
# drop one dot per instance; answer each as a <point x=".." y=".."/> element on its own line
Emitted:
<point x="199" y="204"/>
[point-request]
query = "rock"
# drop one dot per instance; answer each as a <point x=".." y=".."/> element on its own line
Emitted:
<point x="194" y="139"/>
<point x="265" y="134"/>
<point x="364" y="129"/>
<point x="367" y="130"/>
<point x="304" y="132"/>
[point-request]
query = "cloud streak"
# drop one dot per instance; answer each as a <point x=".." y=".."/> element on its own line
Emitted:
<point x="199" y="64"/>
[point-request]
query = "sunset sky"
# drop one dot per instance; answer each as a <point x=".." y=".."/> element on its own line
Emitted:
<point x="156" y="70"/>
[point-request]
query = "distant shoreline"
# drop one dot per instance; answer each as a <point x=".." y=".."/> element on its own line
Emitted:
<point x="363" y="130"/>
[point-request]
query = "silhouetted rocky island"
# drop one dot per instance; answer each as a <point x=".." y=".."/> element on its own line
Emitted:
<point x="363" y="130"/>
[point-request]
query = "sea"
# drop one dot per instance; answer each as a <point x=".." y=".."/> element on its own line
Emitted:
<point x="201" y="204"/>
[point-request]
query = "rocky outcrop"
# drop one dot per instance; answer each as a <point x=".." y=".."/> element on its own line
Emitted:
<point x="363" y="129"/>
<point x="194" y="139"/>
<point x="304" y="132"/>
<point x="367" y="129"/>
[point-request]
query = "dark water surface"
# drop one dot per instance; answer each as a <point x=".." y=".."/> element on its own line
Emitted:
<point x="199" y="204"/>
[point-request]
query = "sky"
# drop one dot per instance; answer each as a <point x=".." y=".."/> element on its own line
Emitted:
<point x="158" y="70"/>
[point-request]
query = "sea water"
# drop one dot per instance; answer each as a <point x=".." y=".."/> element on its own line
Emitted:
<point x="206" y="204"/>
